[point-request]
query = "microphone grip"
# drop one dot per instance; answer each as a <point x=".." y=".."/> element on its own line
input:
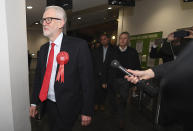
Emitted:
<point x="125" y="71"/>
<point x="141" y="83"/>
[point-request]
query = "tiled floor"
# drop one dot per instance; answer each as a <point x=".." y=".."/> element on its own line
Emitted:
<point x="104" y="121"/>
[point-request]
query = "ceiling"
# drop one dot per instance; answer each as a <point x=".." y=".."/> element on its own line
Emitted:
<point x="92" y="12"/>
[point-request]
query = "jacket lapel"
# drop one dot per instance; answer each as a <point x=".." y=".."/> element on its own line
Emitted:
<point x="101" y="54"/>
<point x="62" y="48"/>
<point x="45" y="56"/>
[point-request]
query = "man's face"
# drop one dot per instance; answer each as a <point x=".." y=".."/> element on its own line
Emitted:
<point x="104" y="40"/>
<point x="123" y="40"/>
<point x="51" y="28"/>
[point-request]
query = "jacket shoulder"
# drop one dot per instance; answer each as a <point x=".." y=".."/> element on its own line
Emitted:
<point x="132" y="50"/>
<point x="75" y="40"/>
<point x="44" y="45"/>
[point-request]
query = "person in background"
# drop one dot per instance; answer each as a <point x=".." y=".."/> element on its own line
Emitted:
<point x="64" y="85"/>
<point x="171" y="48"/>
<point x="102" y="57"/>
<point x="128" y="58"/>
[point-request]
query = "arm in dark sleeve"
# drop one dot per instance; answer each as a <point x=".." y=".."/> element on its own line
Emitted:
<point x="86" y="77"/>
<point x="162" y="69"/>
<point x="164" y="51"/>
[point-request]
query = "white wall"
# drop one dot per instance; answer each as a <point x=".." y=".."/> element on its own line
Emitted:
<point x="156" y="15"/>
<point x="6" y="121"/>
<point x="14" y="91"/>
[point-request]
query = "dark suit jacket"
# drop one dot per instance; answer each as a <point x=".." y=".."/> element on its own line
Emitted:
<point x="102" y="69"/>
<point x="177" y="88"/>
<point x="75" y="95"/>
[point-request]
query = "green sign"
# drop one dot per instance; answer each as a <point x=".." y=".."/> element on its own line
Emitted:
<point x="142" y="43"/>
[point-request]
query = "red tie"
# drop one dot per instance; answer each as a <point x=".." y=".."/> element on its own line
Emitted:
<point x="45" y="85"/>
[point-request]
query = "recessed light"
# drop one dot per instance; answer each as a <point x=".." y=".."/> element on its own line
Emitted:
<point x="79" y="18"/>
<point x="113" y="37"/>
<point x="109" y="8"/>
<point x="29" y="7"/>
<point x="33" y="54"/>
<point x="36" y="23"/>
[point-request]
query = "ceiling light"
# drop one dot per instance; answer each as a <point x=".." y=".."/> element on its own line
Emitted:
<point x="29" y="7"/>
<point x="109" y="8"/>
<point x="33" y="54"/>
<point x="113" y="2"/>
<point x="36" y="23"/>
<point x="113" y="37"/>
<point x="79" y="18"/>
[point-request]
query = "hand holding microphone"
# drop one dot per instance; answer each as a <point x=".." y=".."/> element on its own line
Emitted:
<point x="138" y="78"/>
<point x="134" y="76"/>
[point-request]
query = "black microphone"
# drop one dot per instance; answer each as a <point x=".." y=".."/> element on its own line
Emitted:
<point x="141" y="83"/>
<point x="116" y="64"/>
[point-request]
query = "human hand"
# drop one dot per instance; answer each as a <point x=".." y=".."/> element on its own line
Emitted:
<point x="191" y="34"/>
<point x="170" y="37"/>
<point x="158" y="41"/>
<point x="85" y="120"/>
<point x="139" y="75"/>
<point x="33" y="111"/>
<point x="104" y="86"/>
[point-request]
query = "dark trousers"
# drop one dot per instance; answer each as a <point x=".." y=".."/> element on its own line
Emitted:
<point x="119" y="88"/>
<point x="55" y="120"/>
<point x="100" y="93"/>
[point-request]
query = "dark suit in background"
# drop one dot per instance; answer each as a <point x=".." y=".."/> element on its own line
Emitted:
<point x="75" y="95"/>
<point x="102" y="72"/>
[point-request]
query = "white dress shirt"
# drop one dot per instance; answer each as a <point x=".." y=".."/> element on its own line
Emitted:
<point x="123" y="49"/>
<point x="104" y="52"/>
<point x="57" y="42"/>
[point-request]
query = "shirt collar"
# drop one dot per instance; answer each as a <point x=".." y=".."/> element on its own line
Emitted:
<point x="105" y="47"/>
<point x="58" y="40"/>
<point x="122" y="50"/>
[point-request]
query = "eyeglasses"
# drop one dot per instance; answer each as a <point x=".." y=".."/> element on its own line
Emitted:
<point x="48" y="20"/>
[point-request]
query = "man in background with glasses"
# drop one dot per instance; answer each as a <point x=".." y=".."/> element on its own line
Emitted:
<point x="64" y="75"/>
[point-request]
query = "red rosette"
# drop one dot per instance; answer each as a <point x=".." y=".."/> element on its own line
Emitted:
<point x="62" y="59"/>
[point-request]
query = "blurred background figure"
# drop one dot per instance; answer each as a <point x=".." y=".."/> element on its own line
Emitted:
<point x="171" y="47"/>
<point x="128" y="58"/>
<point x="102" y="57"/>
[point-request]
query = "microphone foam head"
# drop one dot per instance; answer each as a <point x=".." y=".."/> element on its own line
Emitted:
<point x="115" y="63"/>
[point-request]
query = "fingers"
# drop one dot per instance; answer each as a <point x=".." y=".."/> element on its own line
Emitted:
<point x="33" y="111"/>
<point x="170" y="37"/>
<point x="191" y="34"/>
<point x="135" y="80"/>
<point x="139" y="75"/>
<point x="132" y="79"/>
<point x="104" y="86"/>
<point x="86" y="120"/>
<point x="131" y="71"/>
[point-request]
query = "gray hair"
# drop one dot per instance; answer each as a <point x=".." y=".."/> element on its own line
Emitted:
<point x="59" y="12"/>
